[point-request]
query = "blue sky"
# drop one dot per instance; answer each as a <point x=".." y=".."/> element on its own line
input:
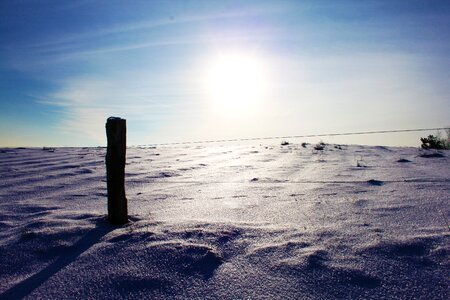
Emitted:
<point x="331" y="66"/>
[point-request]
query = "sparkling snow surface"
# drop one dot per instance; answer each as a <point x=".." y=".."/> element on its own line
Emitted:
<point x="227" y="222"/>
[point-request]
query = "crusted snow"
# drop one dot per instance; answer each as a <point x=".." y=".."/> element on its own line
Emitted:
<point x="227" y="222"/>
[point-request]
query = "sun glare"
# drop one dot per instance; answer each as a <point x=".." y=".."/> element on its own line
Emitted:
<point x="236" y="80"/>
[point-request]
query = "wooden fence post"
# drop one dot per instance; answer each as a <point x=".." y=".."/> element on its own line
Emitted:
<point x="116" y="130"/>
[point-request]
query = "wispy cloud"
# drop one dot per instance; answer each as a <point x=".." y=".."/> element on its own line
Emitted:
<point x="170" y="20"/>
<point x="89" y="46"/>
<point x="224" y="38"/>
<point x="86" y="102"/>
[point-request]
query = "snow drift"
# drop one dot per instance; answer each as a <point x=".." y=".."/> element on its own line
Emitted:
<point x="227" y="222"/>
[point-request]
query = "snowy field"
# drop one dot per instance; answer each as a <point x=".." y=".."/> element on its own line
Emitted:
<point x="227" y="222"/>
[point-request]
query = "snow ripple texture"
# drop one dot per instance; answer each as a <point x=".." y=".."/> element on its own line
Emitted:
<point x="227" y="222"/>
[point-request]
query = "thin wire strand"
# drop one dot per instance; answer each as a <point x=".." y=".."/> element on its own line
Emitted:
<point x="298" y="136"/>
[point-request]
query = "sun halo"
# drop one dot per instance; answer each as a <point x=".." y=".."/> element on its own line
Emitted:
<point x="236" y="80"/>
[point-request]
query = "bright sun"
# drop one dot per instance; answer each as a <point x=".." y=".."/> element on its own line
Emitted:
<point x="236" y="80"/>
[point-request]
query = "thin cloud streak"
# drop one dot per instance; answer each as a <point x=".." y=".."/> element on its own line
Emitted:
<point x="184" y="41"/>
<point x="153" y="24"/>
<point x="53" y="57"/>
<point x="87" y="102"/>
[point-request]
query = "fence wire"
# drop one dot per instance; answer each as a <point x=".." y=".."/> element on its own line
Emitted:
<point x="299" y="136"/>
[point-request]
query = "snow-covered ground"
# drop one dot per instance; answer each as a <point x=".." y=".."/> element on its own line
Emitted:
<point x="227" y="222"/>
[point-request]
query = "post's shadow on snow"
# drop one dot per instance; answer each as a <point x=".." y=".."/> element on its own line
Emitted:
<point x="27" y="286"/>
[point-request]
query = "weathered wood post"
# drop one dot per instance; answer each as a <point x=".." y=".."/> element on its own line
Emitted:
<point x="116" y="131"/>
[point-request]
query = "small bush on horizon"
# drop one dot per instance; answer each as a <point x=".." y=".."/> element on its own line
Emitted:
<point x="435" y="142"/>
<point x="284" y="143"/>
